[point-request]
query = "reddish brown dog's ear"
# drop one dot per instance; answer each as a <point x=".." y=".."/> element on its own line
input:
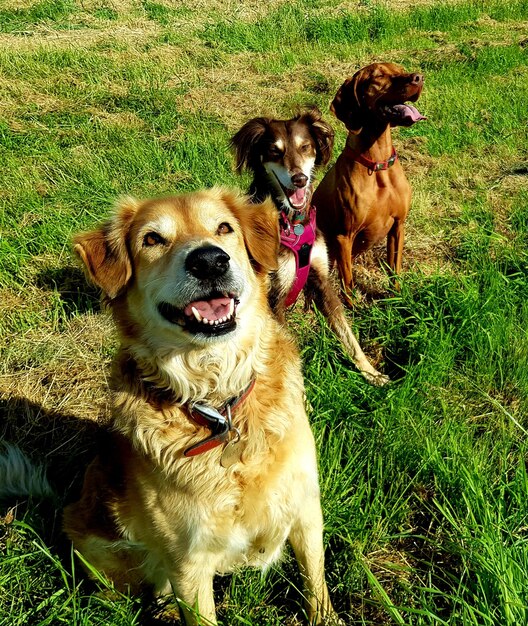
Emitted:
<point x="346" y="105"/>
<point x="322" y="133"/>
<point x="246" y="140"/>
<point x="260" y="228"/>
<point x="104" y="252"/>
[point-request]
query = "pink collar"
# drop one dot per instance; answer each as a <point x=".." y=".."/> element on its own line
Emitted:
<point x="299" y="238"/>
<point x="375" y="166"/>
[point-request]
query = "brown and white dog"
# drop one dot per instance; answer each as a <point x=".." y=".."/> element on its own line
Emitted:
<point x="365" y="196"/>
<point x="282" y="156"/>
<point x="210" y="462"/>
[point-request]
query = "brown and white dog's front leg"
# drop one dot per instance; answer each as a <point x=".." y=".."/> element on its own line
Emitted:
<point x="320" y="291"/>
<point x="192" y="584"/>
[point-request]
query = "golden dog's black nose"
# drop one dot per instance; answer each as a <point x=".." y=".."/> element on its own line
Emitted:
<point x="207" y="262"/>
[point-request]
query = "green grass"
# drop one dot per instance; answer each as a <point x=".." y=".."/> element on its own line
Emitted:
<point x="48" y="12"/>
<point x="423" y="482"/>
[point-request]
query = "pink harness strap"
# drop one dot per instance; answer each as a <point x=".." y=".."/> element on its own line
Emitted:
<point x="299" y="239"/>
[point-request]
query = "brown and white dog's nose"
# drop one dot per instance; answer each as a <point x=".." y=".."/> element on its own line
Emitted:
<point x="299" y="179"/>
<point x="416" y="79"/>
<point x="207" y="262"/>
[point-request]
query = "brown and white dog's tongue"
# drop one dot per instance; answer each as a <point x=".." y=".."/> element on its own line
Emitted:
<point x="214" y="309"/>
<point x="406" y="114"/>
<point x="297" y="196"/>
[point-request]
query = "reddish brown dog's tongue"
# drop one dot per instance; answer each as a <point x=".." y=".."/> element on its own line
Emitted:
<point x="408" y="114"/>
<point x="214" y="309"/>
<point x="297" y="196"/>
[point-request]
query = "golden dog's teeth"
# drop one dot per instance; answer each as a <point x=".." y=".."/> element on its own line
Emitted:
<point x="196" y="314"/>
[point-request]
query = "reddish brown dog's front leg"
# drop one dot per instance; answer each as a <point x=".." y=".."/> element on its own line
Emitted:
<point x="395" y="240"/>
<point x="344" y="266"/>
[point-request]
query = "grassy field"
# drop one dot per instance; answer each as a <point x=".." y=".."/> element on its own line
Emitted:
<point x="424" y="482"/>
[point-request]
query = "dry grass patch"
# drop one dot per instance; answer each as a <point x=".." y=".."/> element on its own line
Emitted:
<point x="18" y="93"/>
<point x="133" y="34"/>
<point x="204" y="11"/>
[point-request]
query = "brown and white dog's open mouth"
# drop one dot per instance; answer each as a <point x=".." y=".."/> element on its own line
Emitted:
<point x="297" y="197"/>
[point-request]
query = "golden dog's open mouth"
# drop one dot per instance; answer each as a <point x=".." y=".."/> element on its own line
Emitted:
<point x="213" y="315"/>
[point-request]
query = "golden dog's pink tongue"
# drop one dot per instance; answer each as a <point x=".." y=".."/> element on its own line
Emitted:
<point x="297" y="196"/>
<point x="212" y="310"/>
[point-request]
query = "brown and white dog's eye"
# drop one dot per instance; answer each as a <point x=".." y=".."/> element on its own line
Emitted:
<point x="153" y="239"/>
<point x="306" y="147"/>
<point x="224" y="229"/>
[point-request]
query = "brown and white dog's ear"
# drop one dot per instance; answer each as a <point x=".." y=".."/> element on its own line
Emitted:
<point x="260" y="228"/>
<point x="322" y="133"/>
<point x="104" y="252"/>
<point x="246" y="140"/>
<point x="346" y="105"/>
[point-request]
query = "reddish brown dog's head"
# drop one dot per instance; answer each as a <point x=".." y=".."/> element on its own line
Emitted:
<point x="283" y="153"/>
<point x="377" y="93"/>
<point x="185" y="269"/>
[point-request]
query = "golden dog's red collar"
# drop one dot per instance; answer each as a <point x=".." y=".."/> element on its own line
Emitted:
<point x="218" y="421"/>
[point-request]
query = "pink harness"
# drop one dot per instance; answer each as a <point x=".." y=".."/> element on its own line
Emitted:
<point x="299" y="238"/>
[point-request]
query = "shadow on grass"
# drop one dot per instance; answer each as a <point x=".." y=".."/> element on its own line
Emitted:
<point x="64" y="444"/>
<point x="76" y="295"/>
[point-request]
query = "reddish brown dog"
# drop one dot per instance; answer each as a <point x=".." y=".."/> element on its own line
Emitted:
<point x="365" y="196"/>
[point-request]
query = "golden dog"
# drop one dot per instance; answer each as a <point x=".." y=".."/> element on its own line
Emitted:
<point x="210" y="462"/>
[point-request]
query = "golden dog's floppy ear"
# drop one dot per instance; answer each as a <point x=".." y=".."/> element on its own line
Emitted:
<point x="260" y="227"/>
<point x="346" y="105"/>
<point x="104" y="251"/>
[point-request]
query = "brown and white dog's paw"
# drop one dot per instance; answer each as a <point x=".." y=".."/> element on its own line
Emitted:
<point x="377" y="378"/>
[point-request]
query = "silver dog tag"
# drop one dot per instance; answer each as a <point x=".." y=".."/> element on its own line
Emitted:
<point x="232" y="452"/>
<point x="298" y="229"/>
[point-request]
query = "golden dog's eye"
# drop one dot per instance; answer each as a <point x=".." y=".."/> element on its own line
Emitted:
<point x="153" y="239"/>
<point x="224" y="229"/>
<point x="306" y="147"/>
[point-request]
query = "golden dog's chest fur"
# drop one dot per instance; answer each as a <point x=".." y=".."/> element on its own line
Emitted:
<point x="149" y="515"/>
<point x="242" y="514"/>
